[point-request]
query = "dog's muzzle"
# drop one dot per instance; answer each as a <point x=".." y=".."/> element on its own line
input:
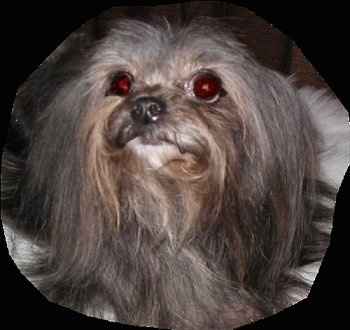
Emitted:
<point x="141" y="118"/>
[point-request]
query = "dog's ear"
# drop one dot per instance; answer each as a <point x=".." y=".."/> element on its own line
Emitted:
<point x="32" y="98"/>
<point x="43" y="84"/>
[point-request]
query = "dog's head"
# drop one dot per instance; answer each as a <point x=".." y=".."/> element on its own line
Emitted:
<point x="174" y="130"/>
<point x="163" y="148"/>
<point x="187" y="105"/>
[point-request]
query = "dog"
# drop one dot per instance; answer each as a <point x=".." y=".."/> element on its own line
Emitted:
<point x="161" y="176"/>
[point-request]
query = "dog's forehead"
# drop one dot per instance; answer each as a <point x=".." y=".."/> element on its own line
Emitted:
<point x="162" y="52"/>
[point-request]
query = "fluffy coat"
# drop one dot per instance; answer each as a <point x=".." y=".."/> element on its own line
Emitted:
<point x="204" y="219"/>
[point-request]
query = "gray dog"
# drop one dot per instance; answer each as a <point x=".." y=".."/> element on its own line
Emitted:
<point x="160" y="176"/>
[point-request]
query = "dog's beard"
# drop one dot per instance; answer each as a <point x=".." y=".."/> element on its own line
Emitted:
<point x="166" y="175"/>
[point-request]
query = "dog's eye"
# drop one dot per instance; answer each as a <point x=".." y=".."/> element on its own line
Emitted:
<point x="206" y="86"/>
<point x="121" y="84"/>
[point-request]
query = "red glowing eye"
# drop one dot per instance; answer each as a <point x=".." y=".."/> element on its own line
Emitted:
<point x="121" y="84"/>
<point x="206" y="87"/>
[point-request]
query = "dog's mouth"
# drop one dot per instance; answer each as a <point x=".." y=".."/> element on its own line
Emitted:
<point x="127" y="134"/>
<point x="157" y="155"/>
<point x="151" y="135"/>
<point x="158" y="147"/>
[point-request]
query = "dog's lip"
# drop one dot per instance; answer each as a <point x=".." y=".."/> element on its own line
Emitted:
<point x="134" y="138"/>
<point x="159" y="155"/>
<point x="147" y="141"/>
<point x="125" y="136"/>
<point x="151" y="141"/>
<point x="145" y="137"/>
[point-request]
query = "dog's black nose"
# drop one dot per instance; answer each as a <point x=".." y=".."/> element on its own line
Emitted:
<point x="147" y="110"/>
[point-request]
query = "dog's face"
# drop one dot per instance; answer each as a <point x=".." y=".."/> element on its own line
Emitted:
<point x="163" y="99"/>
<point x="183" y="112"/>
<point x="162" y="114"/>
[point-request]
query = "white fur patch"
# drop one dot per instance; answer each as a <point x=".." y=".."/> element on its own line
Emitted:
<point x="306" y="274"/>
<point x="21" y="249"/>
<point x="332" y="122"/>
<point x="156" y="155"/>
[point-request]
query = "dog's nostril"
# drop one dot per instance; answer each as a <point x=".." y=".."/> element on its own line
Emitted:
<point x="147" y="109"/>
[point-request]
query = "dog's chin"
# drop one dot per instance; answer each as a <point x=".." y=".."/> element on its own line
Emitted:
<point x="157" y="155"/>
